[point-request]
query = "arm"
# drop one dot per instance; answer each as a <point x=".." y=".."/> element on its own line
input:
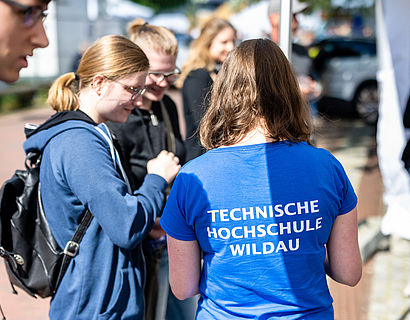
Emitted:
<point x="90" y="175"/>
<point x="184" y="267"/>
<point x="343" y="261"/>
<point x="194" y="92"/>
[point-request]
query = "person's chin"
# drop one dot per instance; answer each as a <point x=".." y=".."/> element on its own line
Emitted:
<point x="11" y="76"/>
<point x="121" y="119"/>
<point x="155" y="96"/>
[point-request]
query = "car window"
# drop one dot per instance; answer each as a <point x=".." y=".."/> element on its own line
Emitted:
<point x="333" y="48"/>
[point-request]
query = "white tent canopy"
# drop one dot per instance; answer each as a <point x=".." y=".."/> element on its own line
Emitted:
<point x="175" y="21"/>
<point x="394" y="82"/>
<point x="127" y="10"/>
<point x="252" y="22"/>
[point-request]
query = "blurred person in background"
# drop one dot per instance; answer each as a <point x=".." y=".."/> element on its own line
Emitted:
<point x="151" y="127"/>
<point x="217" y="38"/>
<point x="301" y="62"/>
<point x="21" y="31"/>
<point x="257" y="222"/>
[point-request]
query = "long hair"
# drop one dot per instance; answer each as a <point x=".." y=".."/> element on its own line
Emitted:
<point x="199" y="56"/>
<point x="158" y="38"/>
<point x="256" y="84"/>
<point x="112" y="56"/>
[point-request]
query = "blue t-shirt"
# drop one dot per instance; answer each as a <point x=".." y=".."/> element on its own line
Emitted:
<point x="262" y="215"/>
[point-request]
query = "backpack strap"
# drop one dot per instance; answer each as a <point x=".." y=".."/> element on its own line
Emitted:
<point x="168" y="129"/>
<point x="72" y="246"/>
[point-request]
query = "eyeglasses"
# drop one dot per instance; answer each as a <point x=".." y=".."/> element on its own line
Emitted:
<point x="168" y="76"/>
<point x="32" y="14"/>
<point x="135" y="92"/>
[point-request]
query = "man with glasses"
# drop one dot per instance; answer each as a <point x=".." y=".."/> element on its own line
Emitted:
<point x="151" y="127"/>
<point x="21" y="31"/>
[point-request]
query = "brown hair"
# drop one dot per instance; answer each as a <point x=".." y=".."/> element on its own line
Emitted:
<point x="112" y="56"/>
<point x="256" y="82"/>
<point x="199" y="56"/>
<point x="158" y="38"/>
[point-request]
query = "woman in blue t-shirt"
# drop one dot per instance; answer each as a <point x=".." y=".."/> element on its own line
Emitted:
<point x="269" y="214"/>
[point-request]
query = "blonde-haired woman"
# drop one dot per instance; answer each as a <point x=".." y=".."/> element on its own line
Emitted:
<point x="217" y="38"/>
<point x="256" y="223"/>
<point x="151" y="127"/>
<point x="81" y="170"/>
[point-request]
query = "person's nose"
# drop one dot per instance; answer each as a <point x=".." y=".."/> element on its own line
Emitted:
<point x="163" y="82"/>
<point x="39" y="37"/>
<point x="230" y="46"/>
<point x="137" y="102"/>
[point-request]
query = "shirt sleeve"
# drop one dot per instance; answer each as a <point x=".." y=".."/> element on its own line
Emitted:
<point x="174" y="219"/>
<point x="347" y="195"/>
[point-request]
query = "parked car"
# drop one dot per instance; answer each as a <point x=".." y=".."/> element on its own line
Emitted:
<point x="346" y="69"/>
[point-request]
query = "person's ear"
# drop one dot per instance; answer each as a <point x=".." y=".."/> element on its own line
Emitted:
<point x="98" y="83"/>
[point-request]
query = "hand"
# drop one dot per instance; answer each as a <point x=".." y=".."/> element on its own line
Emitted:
<point x="166" y="165"/>
<point x="310" y="89"/>
<point x="156" y="232"/>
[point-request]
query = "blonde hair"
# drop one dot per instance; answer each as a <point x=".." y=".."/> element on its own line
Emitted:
<point x="199" y="56"/>
<point x="158" y="38"/>
<point x="256" y="84"/>
<point x="112" y="56"/>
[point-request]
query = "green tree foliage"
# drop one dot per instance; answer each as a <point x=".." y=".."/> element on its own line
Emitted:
<point x="161" y="4"/>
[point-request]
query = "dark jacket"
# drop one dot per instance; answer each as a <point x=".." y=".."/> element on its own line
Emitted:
<point x="406" y="122"/>
<point x="195" y="94"/>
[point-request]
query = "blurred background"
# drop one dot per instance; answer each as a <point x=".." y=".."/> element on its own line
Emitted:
<point x="340" y="35"/>
<point x="361" y="58"/>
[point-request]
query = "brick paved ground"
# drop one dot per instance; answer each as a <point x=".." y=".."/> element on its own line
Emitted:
<point x="21" y="306"/>
<point x="354" y="146"/>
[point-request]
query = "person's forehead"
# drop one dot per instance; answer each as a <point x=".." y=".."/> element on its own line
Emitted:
<point x="161" y="61"/>
<point x="33" y="2"/>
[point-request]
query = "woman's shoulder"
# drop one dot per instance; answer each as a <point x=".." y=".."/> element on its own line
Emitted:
<point x="199" y="73"/>
<point x="197" y="79"/>
<point x="168" y="102"/>
<point x="317" y="153"/>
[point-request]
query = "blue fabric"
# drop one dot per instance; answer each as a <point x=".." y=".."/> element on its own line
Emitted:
<point x="105" y="280"/>
<point x="262" y="215"/>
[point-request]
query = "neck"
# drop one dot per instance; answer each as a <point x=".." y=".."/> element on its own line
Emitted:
<point x="255" y="136"/>
<point x="146" y="104"/>
<point x="87" y="105"/>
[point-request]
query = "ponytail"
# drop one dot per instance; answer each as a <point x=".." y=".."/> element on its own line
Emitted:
<point x="62" y="96"/>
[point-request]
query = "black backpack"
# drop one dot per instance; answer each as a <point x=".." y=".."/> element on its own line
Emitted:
<point x="34" y="261"/>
